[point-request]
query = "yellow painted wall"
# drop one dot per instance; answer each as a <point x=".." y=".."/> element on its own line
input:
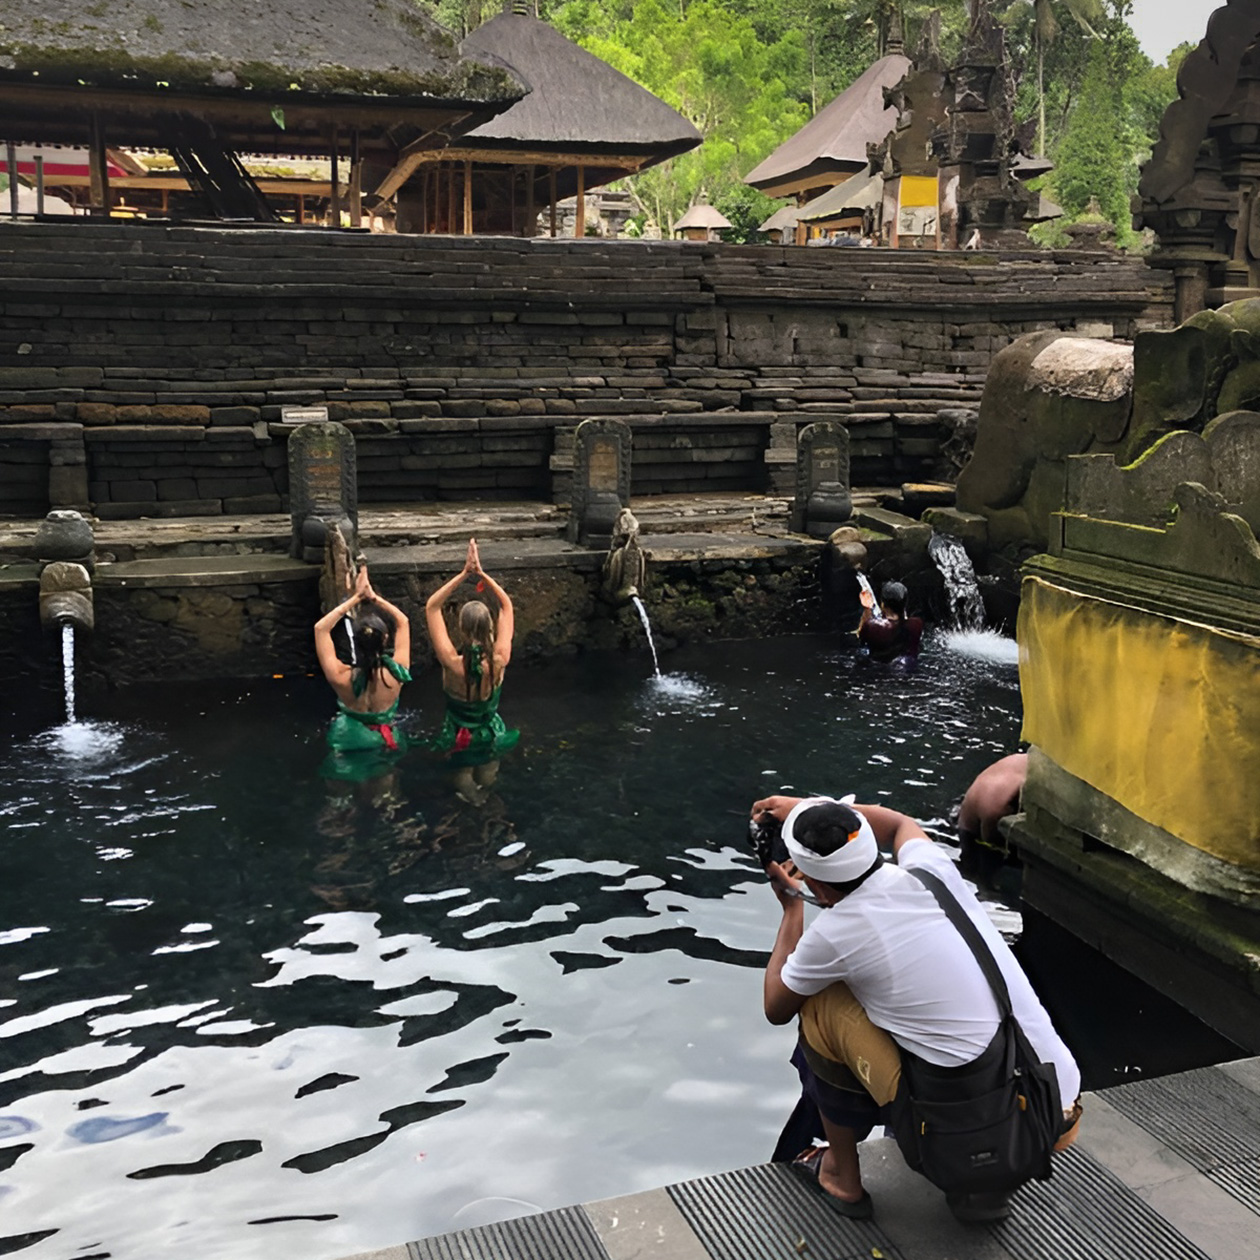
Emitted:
<point x="1161" y="714"/>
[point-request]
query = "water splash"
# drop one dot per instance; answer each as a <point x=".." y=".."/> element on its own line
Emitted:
<point x="348" y="622"/>
<point x="983" y="645"/>
<point x="965" y="605"/>
<point x="678" y="687"/>
<point x="865" y="583"/>
<point x="85" y="741"/>
<point x="647" y="629"/>
<point x="67" y="668"/>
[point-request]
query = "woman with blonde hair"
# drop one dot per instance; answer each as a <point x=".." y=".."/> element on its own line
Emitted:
<point x="473" y="734"/>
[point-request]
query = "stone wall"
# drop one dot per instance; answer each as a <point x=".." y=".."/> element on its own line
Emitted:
<point x="143" y="368"/>
<point x="251" y="616"/>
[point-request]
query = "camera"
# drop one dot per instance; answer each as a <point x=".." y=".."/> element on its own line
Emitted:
<point x="765" y="835"/>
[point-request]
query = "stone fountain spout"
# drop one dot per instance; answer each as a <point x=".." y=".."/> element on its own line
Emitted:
<point x="65" y="596"/>
<point x="625" y="566"/>
<point x="336" y="580"/>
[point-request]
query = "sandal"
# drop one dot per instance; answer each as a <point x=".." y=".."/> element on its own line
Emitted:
<point x="809" y="1165"/>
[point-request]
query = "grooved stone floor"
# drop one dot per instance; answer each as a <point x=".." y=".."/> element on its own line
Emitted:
<point x="1166" y="1169"/>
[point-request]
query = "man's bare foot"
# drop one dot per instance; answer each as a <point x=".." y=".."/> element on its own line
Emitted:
<point x="818" y="1165"/>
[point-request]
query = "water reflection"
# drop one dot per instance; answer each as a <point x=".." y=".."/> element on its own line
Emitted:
<point x="371" y="1019"/>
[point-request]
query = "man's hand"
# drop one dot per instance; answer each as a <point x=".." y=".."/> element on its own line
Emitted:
<point x="786" y="889"/>
<point x="776" y="806"/>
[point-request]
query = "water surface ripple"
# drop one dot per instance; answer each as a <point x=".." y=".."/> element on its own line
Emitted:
<point x="242" y="1011"/>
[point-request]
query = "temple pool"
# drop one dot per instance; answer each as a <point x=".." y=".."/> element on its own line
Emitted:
<point x="241" y="1016"/>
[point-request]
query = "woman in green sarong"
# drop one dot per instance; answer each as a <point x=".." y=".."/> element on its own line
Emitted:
<point x="363" y="737"/>
<point x="473" y="735"/>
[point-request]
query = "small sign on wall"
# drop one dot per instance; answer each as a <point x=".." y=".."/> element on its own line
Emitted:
<point x="303" y="415"/>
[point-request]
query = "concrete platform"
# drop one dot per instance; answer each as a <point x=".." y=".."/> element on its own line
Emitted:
<point x="1166" y="1169"/>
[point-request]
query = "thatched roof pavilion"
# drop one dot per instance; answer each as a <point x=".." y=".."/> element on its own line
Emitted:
<point x="832" y="145"/>
<point x="782" y="224"/>
<point x="844" y="207"/>
<point x="370" y="77"/>
<point x="583" y="124"/>
<point x="702" y="223"/>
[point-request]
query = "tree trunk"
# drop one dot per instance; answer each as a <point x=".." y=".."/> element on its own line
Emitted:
<point x="1041" y="101"/>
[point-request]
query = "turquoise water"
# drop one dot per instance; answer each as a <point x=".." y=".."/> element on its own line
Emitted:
<point x="246" y="1016"/>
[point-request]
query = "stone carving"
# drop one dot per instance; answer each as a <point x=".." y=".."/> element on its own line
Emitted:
<point x="822" y="501"/>
<point x="601" y="480"/>
<point x="1052" y="395"/>
<point x="1223" y="462"/>
<point x="625" y="566"/>
<point x="956" y="124"/>
<point x="65" y="595"/>
<point x="323" y="488"/>
<point x="1185" y="377"/>
<point x="838" y="567"/>
<point x="66" y="535"/>
<point x="1048" y="395"/>
<point x="336" y="581"/>
<point x="1198" y="190"/>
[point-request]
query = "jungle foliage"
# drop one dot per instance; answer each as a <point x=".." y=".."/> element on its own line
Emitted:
<point x="748" y="73"/>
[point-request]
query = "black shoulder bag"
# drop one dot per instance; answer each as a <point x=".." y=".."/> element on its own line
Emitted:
<point x="989" y="1125"/>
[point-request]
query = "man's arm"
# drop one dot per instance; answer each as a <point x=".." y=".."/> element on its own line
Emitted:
<point x="781" y="1003"/>
<point x="891" y="828"/>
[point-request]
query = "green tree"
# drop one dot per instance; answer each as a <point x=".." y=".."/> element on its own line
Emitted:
<point x="1041" y="27"/>
<point x="709" y="64"/>
<point x="1092" y="160"/>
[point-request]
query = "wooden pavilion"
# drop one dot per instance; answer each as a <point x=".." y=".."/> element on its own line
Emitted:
<point x="831" y="147"/>
<point x="367" y="83"/>
<point x="582" y="125"/>
<point x="848" y="209"/>
<point x="702" y="222"/>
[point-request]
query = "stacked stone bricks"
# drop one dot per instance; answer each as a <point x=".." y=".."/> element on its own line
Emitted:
<point x="143" y="368"/>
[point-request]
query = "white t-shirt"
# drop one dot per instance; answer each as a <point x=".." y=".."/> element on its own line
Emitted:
<point x="914" y="974"/>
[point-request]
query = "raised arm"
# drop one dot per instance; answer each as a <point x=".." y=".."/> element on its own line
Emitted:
<point x="868" y="607"/>
<point x="402" y="623"/>
<point x="505" y="623"/>
<point x="336" y="671"/>
<point x="443" y="648"/>
<point x="891" y="828"/>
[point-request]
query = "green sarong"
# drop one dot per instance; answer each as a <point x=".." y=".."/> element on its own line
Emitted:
<point x="472" y="731"/>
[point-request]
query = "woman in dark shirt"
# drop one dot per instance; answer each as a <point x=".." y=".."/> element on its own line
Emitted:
<point x="890" y="635"/>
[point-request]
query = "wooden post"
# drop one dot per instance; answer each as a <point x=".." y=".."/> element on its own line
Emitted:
<point x="468" y="231"/>
<point x="551" y="192"/>
<point x="10" y="169"/>
<point x="426" y="176"/>
<point x="531" y="214"/>
<point x="511" y="186"/>
<point x="39" y="183"/>
<point x="166" y="203"/>
<point x="579" y="214"/>
<point x="301" y="208"/>
<point x="334" y="197"/>
<point x="356" y="182"/>
<point x="450" y="198"/>
<point x="98" y="169"/>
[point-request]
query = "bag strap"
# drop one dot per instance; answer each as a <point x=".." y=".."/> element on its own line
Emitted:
<point x="970" y="933"/>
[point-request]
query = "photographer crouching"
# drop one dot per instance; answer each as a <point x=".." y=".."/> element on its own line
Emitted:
<point x="908" y="999"/>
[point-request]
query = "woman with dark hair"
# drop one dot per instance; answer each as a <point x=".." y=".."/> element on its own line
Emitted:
<point x="890" y="635"/>
<point x="473" y="734"/>
<point x="368" y="688"/>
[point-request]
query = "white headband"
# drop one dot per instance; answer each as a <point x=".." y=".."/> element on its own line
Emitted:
<point x="847" y="863"/>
